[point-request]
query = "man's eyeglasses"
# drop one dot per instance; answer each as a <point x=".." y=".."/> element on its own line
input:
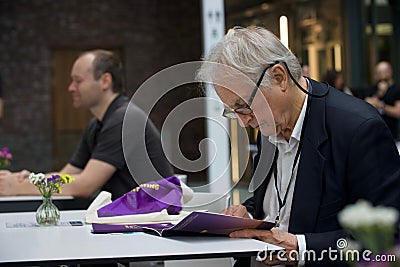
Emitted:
<point x="230" y="113"/>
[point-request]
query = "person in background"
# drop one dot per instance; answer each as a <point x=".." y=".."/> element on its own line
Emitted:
<point x="385" y="96"/>
<point x="335" y="79"/>
<point x="305" y="70"/>
<point x="98" y="162"/>
<point x="321" y="143"/>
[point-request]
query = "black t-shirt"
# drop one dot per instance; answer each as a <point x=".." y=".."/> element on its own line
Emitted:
<point x="103" y="141"/>
<point x="392" y="95"/>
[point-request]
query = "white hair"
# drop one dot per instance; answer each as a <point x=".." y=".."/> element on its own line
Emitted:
<point x="249" y="50"/>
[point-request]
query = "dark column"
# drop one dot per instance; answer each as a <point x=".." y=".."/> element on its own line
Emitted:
<point x="354" y="44"/>
<point x="395" y="6"/>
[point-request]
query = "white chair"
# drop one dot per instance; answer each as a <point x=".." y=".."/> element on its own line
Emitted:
<point x="182" y="177"/>
<point x="211" y="202"/>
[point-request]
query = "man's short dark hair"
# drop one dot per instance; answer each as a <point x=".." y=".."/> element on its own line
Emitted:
<point x="331" y="76"/>
<point x="106" y="62"/>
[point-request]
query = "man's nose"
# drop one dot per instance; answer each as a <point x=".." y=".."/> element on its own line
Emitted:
<point x="71" y="87"/>
<point x="244" y="120"/>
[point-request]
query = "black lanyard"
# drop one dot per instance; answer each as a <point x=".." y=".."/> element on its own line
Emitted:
<point x="281" y="202"/>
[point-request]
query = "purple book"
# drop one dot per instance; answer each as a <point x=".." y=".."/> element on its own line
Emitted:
<point x="196" y="223"/>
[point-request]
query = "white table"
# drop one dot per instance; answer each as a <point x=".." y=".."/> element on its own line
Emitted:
<point x="76" y="244"/>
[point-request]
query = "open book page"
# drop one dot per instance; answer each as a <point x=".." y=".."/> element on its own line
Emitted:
<point x="199" y="223"/>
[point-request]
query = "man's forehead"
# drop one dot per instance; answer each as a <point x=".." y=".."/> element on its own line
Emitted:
<point x="82" y="65"/>
<point x="237" y="84"/>
<point x="226" y="75"/>
<point x="232" y="85"/>
<point x="229" y="96"/>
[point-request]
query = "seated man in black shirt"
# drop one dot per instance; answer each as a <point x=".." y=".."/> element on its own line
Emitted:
<point x="99" y="162"/>
<point x="385" y="96"/>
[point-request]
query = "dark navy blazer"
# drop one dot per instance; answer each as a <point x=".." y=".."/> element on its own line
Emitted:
<point x="348" y="154"/>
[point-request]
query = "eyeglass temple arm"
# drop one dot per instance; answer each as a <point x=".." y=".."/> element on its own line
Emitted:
<point x="253" y="94"/>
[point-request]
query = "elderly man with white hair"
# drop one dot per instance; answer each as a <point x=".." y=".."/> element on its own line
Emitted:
<point x="318" y="148"/>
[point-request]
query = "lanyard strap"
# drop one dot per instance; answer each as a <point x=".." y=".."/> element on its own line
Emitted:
<point x="281" y="202"/>
<point x="296" y="158"/>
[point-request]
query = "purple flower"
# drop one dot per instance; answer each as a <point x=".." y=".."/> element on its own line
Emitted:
<point x="52" y="180"/>
<point x="5" y="153"/>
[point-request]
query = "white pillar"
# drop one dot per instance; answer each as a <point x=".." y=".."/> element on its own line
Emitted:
<point x="219" y="172"/>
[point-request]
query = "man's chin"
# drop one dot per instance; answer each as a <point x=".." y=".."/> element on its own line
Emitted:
<point x="267" y="130"/>
<point x="76" y="105"/>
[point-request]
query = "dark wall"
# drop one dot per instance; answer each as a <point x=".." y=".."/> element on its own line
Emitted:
<point x="152" y="34"/>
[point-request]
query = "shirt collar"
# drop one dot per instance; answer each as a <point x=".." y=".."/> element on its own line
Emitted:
<point x="113" y="106"/>
<point x="299" y="123"/>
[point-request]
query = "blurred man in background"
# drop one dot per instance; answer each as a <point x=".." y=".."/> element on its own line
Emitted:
<point x="99" y="163"/>
<point x="385" y="96"/>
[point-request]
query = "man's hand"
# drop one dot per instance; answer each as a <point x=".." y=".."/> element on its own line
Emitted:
<point x="22" y="175"/>
<point x="8" y="181"/>
<point x="275" y="237"/>
<point x="374" y="101"/>
<point x="236" y="210"/>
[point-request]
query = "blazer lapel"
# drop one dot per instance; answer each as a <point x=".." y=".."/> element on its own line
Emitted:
<point x="262" y="172"/>
<point x="308" y="187"/>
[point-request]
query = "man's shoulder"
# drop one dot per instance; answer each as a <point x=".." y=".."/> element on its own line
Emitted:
<point x="345" y="112"/>
<point x="394" y="91"/>
<point x="126" y="111"/>
<point x="347" y="105"/>
<point x="92" y="122"/>
<point x="118" y="112"/>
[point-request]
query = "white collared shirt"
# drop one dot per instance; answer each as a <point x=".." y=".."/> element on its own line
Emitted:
<point x="285" y="161"/>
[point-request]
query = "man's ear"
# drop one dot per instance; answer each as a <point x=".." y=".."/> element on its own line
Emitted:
<point x="280" y="76"/>
<point x="106" y="80"/>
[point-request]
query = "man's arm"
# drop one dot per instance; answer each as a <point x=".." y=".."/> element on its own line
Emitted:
<point x="11" y="184"/>
<point x="87" y="181"/>
<point x="95" y="174"/>
<point x="389" y="110"/>
<point x="70" y="169"/>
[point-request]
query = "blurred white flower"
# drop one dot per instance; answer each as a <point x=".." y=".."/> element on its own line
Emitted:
<point x="363" y="213"/>
<point x="386" y="215"/>
<point x="373" y="227"/>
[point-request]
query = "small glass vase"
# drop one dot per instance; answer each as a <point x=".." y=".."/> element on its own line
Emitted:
<point x="47" y="214"/>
